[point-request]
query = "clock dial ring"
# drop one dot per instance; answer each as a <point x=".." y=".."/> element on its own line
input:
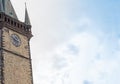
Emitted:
<point x="16" y="41"/>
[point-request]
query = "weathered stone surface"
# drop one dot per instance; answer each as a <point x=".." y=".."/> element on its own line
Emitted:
<point x="16" y="69"/>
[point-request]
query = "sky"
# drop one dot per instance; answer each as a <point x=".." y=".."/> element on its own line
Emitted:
<point x="75" y="41"/>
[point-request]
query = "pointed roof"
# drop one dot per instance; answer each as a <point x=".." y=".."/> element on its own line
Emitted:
<point x="7" y="8"/>
<point x="1" y="6"/>
<point x="27" y="20"/>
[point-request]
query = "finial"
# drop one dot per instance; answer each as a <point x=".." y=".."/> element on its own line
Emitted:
<point x="27" y="20"/>
<point x="25" y="5"/>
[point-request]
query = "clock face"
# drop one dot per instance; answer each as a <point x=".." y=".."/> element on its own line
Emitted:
<point x="15" y="40"/>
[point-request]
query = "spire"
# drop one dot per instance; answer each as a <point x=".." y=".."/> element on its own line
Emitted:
<point x="27" y="20"/>
<point x="7" y="8"/>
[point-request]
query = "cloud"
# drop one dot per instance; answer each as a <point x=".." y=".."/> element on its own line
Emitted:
<point x="59" y="62"/>
<point x="83" y="60"/>
<point x="87" y="82"/>
<point x="73" y="49"/>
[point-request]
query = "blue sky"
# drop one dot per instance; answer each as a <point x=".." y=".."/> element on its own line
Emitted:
<point x="103" y="12"/>
<point x="75" y="41"/>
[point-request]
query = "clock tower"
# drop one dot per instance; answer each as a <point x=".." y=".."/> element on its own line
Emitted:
<point x="15" y="59"/>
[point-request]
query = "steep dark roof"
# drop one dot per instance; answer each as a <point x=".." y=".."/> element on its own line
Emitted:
<point x="7" y="8"/>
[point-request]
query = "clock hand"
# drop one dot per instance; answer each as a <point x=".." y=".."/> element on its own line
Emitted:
<point x="16" y="38"/>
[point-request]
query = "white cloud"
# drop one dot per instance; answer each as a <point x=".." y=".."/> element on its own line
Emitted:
<point x="88" y="66"/>
<point x="62" y="60"/>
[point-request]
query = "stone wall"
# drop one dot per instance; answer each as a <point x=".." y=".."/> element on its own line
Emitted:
<point x="16" y="69"/>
